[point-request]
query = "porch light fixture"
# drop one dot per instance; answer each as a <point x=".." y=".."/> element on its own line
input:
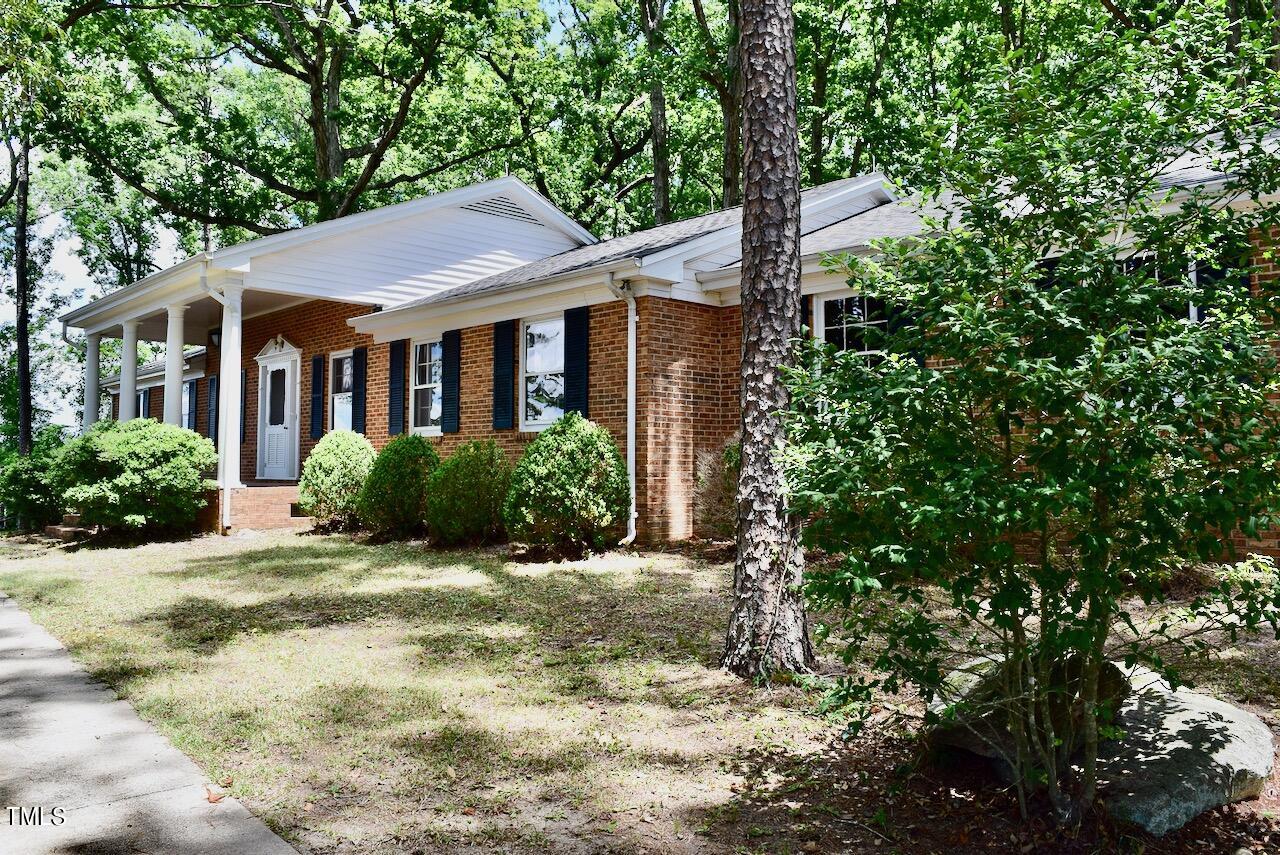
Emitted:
<point x="215" y="336"/>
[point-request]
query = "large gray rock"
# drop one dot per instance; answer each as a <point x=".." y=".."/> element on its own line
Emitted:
<point x="1182" y="753"/>
<point x="972" y="719"/>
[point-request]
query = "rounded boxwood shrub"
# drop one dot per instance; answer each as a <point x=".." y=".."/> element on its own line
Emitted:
<point x="137" y="475"/>
<point x="570" y="490"/>
<point x="464" y="500"/>
<point x="332" y="477"/>
<point x="393" y="501"/>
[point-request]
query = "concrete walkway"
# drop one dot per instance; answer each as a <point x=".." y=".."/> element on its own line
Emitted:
<point x="67" y="742"/>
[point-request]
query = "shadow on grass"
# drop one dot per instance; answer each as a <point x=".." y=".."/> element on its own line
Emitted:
<point x="566" y="615"/>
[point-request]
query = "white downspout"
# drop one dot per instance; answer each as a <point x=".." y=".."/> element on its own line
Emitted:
<point x="624" y="293"/>
<point x="224" y="483"/>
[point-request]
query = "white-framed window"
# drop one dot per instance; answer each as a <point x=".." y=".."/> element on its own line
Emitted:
<point x="140" y="408"/>
<point x="341" y="380"/>
<point x="850" y="322"/>
<point x="541" y="371"/>
<point x="425" y="370"/>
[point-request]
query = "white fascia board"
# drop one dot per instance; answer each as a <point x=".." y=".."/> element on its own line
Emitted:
<point x="181" y="272"/>
<point x="414" y="316"/>
<point x="548" y="214"/>
<point x="454" y="316"/>
<point x="669" y="263"/>
<point x="191" y="370"/>
<point x="239" y="257"/>
<point x="144" y="305"/>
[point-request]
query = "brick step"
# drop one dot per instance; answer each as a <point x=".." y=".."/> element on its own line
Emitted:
<point x="71" y="520"/>
<point x="66" y="533"/>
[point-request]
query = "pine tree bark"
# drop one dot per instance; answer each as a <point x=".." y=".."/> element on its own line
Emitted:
<point x="22" y="288"/>
<point x="767" y="632"/>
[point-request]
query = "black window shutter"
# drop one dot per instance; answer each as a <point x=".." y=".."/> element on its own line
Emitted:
<point x="450" y="381"/>
<point x="213" y="409"/>
<point x="395" y="392"/>
<point x="577" y="346"/>
<point x="244" y="398"/>
<point x="192" y="408"/>
<point x="504" y="375"/>
<point x="359" y="370"/>
<point x="317" y="397"/>
<point x="806" y="313"/>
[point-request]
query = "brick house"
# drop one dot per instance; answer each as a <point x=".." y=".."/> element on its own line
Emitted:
<point x="482" y="312"/>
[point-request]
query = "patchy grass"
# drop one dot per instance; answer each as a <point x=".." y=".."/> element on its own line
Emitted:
<point x="395" y="699"/>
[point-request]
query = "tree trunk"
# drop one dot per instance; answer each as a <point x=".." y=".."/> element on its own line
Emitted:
<point x="22" y="283"/>
<point x="767" y="630"/>
<point x="731" y="116"/>
<point x="818" y="122"/>
<point x="651" y="20"/>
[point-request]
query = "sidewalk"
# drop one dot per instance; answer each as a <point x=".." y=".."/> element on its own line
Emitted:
<point x="67" y="742"/>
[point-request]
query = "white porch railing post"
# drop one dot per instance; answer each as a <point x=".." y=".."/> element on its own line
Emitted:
<point x="92" y="397"/>
<point x="129" y="371"/>
<point x="173" y="342"/>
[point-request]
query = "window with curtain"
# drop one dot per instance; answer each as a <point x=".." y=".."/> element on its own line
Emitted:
<point x="542" y="371"/>
<point x="341" y="373"/>
<point x="426" y="386"/>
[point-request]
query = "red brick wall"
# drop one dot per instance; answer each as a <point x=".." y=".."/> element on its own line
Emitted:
<point x="687" y="360"/>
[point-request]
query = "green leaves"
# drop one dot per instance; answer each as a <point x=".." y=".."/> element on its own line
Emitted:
<point x="1089" y="391"/>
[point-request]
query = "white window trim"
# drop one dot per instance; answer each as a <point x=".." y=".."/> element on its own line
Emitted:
<point x="819" y="315"/>
<point x="428" y="430"/>
<point x="328" y="388"/>
<point x="525" y="425"/>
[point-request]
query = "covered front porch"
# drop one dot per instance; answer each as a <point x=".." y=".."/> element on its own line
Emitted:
<point x="192" y="306"/>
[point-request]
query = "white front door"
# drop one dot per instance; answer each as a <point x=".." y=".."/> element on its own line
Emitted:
<point x="278" y="403"/>
<point x="280" y="421"/>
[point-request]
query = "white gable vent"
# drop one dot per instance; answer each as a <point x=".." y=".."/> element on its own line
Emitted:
<point x="501" y="206"/>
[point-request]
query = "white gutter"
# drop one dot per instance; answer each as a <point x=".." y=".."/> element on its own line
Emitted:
<point x="224" y="481"/>
<point x="624" y="293"/>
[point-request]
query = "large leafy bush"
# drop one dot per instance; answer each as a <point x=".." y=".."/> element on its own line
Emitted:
<point x="137" y="475"/>
<point x="570" y="490"/>
<point x="393" y="501"/>
<point x="29" y="491"/>
<point x="464" y="501"/>
<point x="333" y="476"/>
<point x="1079" y="388"/>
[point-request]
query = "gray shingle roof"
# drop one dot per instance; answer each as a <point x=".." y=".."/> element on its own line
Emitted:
<point x="634" y="245"/>
<point x="892" y="219"/>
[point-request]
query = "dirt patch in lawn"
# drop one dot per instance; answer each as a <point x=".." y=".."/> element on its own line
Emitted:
<point x="388" y="698"/>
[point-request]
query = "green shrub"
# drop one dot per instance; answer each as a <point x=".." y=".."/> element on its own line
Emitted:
<point x="136" y="475"/>
<point x="464" y="500"/>
<point x="570" y="490"/>
<point x="715" y="490"/>
<point x="393" y="501"/>
<point x="332" y="477"/>
<point x="29" y="492"/>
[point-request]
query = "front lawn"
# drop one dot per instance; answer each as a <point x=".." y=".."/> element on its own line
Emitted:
<point x="395" y="699"/>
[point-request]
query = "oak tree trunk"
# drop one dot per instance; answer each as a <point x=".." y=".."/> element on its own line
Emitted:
<point x="22" y="288"/>
<point x="767" y="632"/>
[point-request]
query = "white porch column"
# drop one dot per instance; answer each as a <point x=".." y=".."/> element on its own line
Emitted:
<point x="129" y="371"/>
<point x="92" y="397"/>
<point x="173" y="366"/>
<point x="229" y="388"/>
